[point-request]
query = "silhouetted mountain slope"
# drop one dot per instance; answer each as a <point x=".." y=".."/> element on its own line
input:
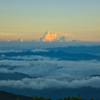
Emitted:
<point x="10" y="96"/>
<point x="54" y="94"/>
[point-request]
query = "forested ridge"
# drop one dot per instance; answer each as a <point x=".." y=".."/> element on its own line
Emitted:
<point x="10" y="96"/>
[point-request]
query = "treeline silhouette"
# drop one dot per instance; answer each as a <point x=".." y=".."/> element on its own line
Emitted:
<point x="68" y="98"/>
<point x="10" y="96"/>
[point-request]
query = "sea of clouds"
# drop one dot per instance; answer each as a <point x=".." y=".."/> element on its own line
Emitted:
<point x="50" y="72"/>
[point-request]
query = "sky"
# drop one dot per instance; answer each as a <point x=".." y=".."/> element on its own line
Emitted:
<point x="31" y="19"/>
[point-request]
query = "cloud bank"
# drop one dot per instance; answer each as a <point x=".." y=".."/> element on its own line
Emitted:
<point x="50" y="72"/>
<point x="6" y="51"/>
<point x="41" y="83"/>
<point x="40" y="50"/>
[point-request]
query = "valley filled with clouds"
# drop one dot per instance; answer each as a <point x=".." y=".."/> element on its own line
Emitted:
<point x="66" y="71"/>
<point x="48" y="72"/>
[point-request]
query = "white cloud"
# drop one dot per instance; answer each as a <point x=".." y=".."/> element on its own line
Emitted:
<point x="32" y="57"/>
<point x="52" y="68"/>
<point x="40" y="50"/>
<point x="6" y="51"/>
<point x="51" y="73"/>
<point x="41" y="83"/>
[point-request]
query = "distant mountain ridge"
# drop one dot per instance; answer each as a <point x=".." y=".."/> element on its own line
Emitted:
<point x="55" y="54"/>
<point x="78" y="49"/>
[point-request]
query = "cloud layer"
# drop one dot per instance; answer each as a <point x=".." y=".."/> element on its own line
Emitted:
<point x="41" y="83"/>
<point x="50" y="72"/>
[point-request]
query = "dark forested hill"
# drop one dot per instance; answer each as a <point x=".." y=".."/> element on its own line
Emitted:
<point x="11" y="96"/>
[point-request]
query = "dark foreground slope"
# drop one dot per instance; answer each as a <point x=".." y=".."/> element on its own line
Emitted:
<point x="84" y="92"/>
<point x="11" y="96"/>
